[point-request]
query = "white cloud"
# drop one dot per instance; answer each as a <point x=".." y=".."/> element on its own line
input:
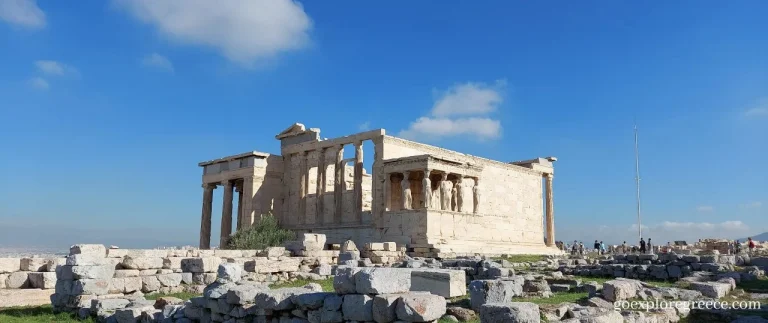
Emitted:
<point x="365" y="126"/>
<point x="758" y="109"/>
<point x="244" y="31"/>
<point x="158" y="61"/>
<point x="56" y="68"/>
<point x="39" y="83"/>
<point x="705" y="208"/>
<point x="469" y="99"/>
<point x="752" y="205"/>
<point x="462" y="110"/>
<point x="23" y="13"/>
<point x="434" y="128"/>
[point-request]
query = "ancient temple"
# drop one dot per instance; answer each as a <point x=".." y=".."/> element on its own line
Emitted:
<point x="434" y="201"/>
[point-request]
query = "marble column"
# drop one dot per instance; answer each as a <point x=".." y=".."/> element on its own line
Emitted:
<point x="550" y="211"/>
<point x="205" y="222"/>
<point x="226" y="214"/>
<point x="476" y="195"/>
<point x="320" y="187"/>
<point x="426" y="190"/>
<point x="303" y="187"/>
<point x="249" y="205"/>
<point x="445" y="192"/>
<point x="387" y="192"/>
<point x="239" y="190"/>
<point x="460" y="195"/>
<point x="338" y="187"/>
<point x="358" y="182"/>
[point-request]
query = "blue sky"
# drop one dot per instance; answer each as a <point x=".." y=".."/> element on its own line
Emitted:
<point x="107" y="107"/>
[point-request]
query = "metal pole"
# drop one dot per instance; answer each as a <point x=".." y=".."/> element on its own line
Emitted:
<point x="637" y="181"/>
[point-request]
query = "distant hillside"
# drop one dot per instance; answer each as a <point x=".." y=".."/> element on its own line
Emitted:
<point x="760" y="237"/>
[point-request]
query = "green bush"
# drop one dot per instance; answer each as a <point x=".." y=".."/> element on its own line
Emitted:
<point x="267" y="233"/>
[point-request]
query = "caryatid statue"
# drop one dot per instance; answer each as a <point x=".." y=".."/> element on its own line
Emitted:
<point x="476" y="192"/>
<point x="459" y="195"/>
<point x="405" y="184"/>
<point x="427" y="190"/>
<point x="445" y="192"/>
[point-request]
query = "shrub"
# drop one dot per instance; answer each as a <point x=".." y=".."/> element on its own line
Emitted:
<point x="266" y="233"/>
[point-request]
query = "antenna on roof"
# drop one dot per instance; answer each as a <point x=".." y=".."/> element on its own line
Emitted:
<point x="637" y="183"/>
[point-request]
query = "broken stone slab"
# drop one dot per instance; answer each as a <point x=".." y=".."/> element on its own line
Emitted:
<point x="349" y="245"/>
<point x="382" y="281"/>
<point x="384" y="306"/>
<point x="18" y="279"/>
<point x="273" y="252"/>
<point x="142" y="263"/>
<point x="88" y="249"/>
<point x="356" y="307"/>
<point x="310" y="301"/>
<point x="323" y="270"/>
<point x="518" y="312"/>
<point x="200" y="265"/>
<point x="90" y="286"/>
<point x="344" y="280"/>
<point x="278" y="299"/>
<point x="110" y="304"/>
<point x="243" y="294"/>
<point x="494" y="291"/>
<point x="617" y="290"/>
<point x="443" y="282"/>
<point x="85" y="260"/>
<point x="711" y="289"/>
<point x="169" y="280"/>
<point x="560" y="288"/>
<point x="229" y="273"/>
<point x="417" y="307"/>
<point x="42" y="280"/>
<point x="34" y="264"/>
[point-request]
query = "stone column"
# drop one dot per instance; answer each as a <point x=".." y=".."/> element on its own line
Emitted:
<point x="303" y="187"/>
<point x="476" y="195"/>
<point x="358" y="182"/>
<point x="426" y="189"/>
<point x="460" y="194"/>
<point x="205" y="222"/>
<point x="226" y="214"/>
<point x="550" y="211"/>
<point x="338" y="188"/>
<point x="249" y="205"/>
<point x="387" y="192"/>
<point x="407" y="198"/>
<point x="239" y="190"/>
<point x="320" y="187"/>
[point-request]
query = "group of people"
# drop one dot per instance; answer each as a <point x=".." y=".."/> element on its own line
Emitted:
<point x="577" y="248"/>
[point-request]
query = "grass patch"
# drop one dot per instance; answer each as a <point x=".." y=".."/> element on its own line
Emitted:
<point x="759" y="285"/>
<point x="327" y="284"/>
<point x="557" y="298"/>
<point x="35" y="314"/>
<point x="522" y="258"/>
<point x="183" y="296"/>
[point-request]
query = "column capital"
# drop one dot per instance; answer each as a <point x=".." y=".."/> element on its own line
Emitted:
<point x="549" y="175"/>
<point x="358" y="143"/>
<point x="208" y="186"/>
<point x="227" y="183"/>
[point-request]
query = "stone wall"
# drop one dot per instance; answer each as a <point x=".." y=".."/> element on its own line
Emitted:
<point x="663" y="267"/>
<point x="511" y="214"/>
<point x="16" y="273"/>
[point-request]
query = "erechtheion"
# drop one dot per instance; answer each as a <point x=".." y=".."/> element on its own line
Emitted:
<point x="434" y="201"/>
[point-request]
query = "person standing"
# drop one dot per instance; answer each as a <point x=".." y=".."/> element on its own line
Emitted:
<point x="602" y="247"/>
<point x="642" y="245"/>
<point x="581" y="248"/>
<point x="649" y="246"/>
<point x="597" y="247"/>
<point x="751" y="245"/>
<point x="737" y="247"/>
<point x="624" y="247"/>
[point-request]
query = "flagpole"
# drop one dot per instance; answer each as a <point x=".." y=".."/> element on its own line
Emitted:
<point x="637" y="183"/>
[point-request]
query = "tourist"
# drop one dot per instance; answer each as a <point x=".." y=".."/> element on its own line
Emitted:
<point x="737" y="247"/>
<point x="642" y="245"/>
<point x="602" y="248"/>
<point x="731" y="248"/>
<point x="751" y="245"/>
<point x="624" y="247"/>
<point x="581" y="248"/>
<point x="669" y="247"/>
<point x="575" y="247"/>
<point x="649" y="246"/>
